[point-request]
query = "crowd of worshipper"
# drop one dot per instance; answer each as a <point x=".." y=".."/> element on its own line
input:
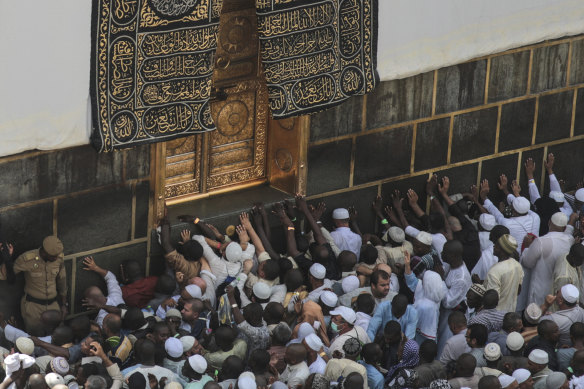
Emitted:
<point x="468" y="294"/>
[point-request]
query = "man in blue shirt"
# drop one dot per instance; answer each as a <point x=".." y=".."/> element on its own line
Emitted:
<point x="371" y="354"/>
<point x="399" y="310"/>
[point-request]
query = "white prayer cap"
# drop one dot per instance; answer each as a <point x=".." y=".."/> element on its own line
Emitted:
<point x="279" y="385"/>
<point x="521" y="375"/>
<point x="579" y="195"/>
<point x="570" y="293"/>
<point x="173" y="385"/>
<point x="60" y="366"/>
<point x="340" y="214"/>
<point x="492" y="352"/>
<point x="350" y="283"/>
<point x="559" y="219"/>
<point x="555" y="380"/>
<point x="329" y="298"/>
<point x="173" y="312"/>
<point x="233" y="252"/>
<point x="53" y="379"/>
<point x="521" y="205"/>
<point x="395" y="233"/>
<point x="198" y="363"/>
<point x="304" y="330"/>
<point x="194" y="291"/>
<point x="187" y="343"/>
<point x="487" y="221"/>
<point x="314" y="342"/>
<point x="60" y="386"/>
<point x="532" y="313"/>
<point x="538" y="356"/>
<point x="558" y="197"/>
<point x="246" y="382"/>
<point x="346" y="313"/>
<point x="173" y="347"/>
<point x="12" y="362"/>
<point x="506" y="380"/>
<point x="262" y="290"/>
<point x="318" y="271"/>
<point x="514" y="341"/>
<point x="424" y="238"/>
<point x="25" y="345"/>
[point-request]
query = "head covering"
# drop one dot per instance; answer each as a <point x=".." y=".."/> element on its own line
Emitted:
<point x="281" y="385"/>
<point x="433" y="286"/>
<point x="555" y="380"/>
<point x="346" y="313"/>
<point x="318" y="382"/>
<point x="515" y="341"/>
<point x="492" y="352"/>
<point x="440" y="384"/>
<point x="396" y="234"/>
<point x="424" y="238"/>
<point x="173" y="312"/>
<point x="60" y="366"/>
<point x="579" y="195"/>
<point x="194" y="291"/>
<point x="558" y="197"/>
<point x="559" y="219"/>
<point x="507" y="243"/>
<point x="340" y="214"/>
<point x="262" y="290"/>
<point x="233" y="252"/>
<point x="405" y="378"/>
<point x="318" y="271"/>
<point x="479" y="289"/>
<point x="25" y="345"/>
<point x="506" y="380"/>
<point x="173" y="385"/>
<point x="538" y="356"/>
<point x="12" y="362"/>
<point x="53" y="379"/>
<point x="532" y="313"/>
<point x="521" y="375"/>
<point x="52" y="245"/>
<point x="520" y="205"/>
<point x="487" y="221"/>
<point x="352" y="347"/>
<point x="570" y="293"/>
<point x="350" y="283"/>
<point x="314" y="342"/>
<point x="329" y="298"/>
<point x="198" y="363"/>
<point x="187" y="343"/>
<point x="246" y="380"/>
<point x="454" y="223"/>
<point x="173" y="347"/>
<point x="304" y="330"/>
<point x="410" y="357"/>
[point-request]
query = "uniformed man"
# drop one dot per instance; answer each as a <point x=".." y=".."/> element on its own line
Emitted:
<point x="45" y="281"/>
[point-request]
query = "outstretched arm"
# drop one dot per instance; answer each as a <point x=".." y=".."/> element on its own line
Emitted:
<point x="255" y="239"/>
<point x="289" y="230"/>
<point x="257" y="219"/>
<point x="529" y="172"/>
<point x="303" y="207"/>
<point x="353" y="220"/>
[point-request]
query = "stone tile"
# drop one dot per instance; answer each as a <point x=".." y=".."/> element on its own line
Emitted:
<point x="492" y="170"/>
<point x="549" y="67"/>
<point x="361" y="199"/>
<point x="569" y="162"/>
<point x="579" y="119"/>
<point x="16" y="226"/>
<point x="461" y="86"/>
<point x="508" y="77"/>
<point x="516" y="127"/>
<point x="432" y="144"/>
<point x="417" y="183"/>
<point x="138" y="162"/>
<point x="96" y="219"/>
<point x="554" y="117"/>
<point x="577" y="63"/>
<point x="383" y="155"/>
<point x="474" y="134"/>
<point x="343" y="119"/>
<point x="142" y="203"/>
<point x="461" y="177"/>
<point x="324" y="159"/>
<point x="63" y="171"/>
<point x="398" y="101"/>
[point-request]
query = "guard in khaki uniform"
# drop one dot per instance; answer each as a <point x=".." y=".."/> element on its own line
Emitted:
<point x="45" y="280"/>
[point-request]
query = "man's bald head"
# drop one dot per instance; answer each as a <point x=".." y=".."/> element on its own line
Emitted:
<point x="112" y="324"/>
<point x="62" y="335"/>
<point x="37" y="381"/>
<point x="295" y="353"/>
<point x="578" y="363"/>
<point x="354" y="381"/>
<point x="465" y="365"/>
<point x="94" y="294"/>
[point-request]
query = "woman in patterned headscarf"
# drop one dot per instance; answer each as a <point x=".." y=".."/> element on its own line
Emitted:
<point x="404" y="379"/>
<point x="410" y="358"/>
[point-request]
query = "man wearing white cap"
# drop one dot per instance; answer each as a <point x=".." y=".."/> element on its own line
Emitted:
<point x="343" y="326"/>
<point x="194" y="369"/>
<point x="315" y="354"/>
<point x="318" y="282"/>
<point x="537" y="364"/>
<point x="393" y="251"/>
<point x="190" y="291"/>
<point x="568" y="269"/>
<point x="542" y="254"/>
<point x="523" y="378"/>
<point x="508" y="382"/>
<point x="174" y="358"/>
<point x="567" y="300"/>
<point x="379" y="289"/>
<point x="486" y="224"/>
<point x="555" y="189"/>
<point x="344" y="238"/>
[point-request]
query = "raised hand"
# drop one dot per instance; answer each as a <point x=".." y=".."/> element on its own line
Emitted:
<point x="397" y="200"/>
<point x="529" y="168"/>
<point x="445" y="186"/>
<point x="244" y="219"/>
<point x="515" y="188"/>
<point x="89" y="264"/>
<point x="412" y="197"/>
<point x="352" y="213"/>
<point x="185" y="236"/>
<point x="242" y="233"/>
<point x="318" y="211"/>
<point x="484" y="192"/>
<point x="431" y="185"/>
<point x="503" y="183"/>
<point x="301" y="203"/>
<point x="549" y="163"/>
<point x="377" y="204"/>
